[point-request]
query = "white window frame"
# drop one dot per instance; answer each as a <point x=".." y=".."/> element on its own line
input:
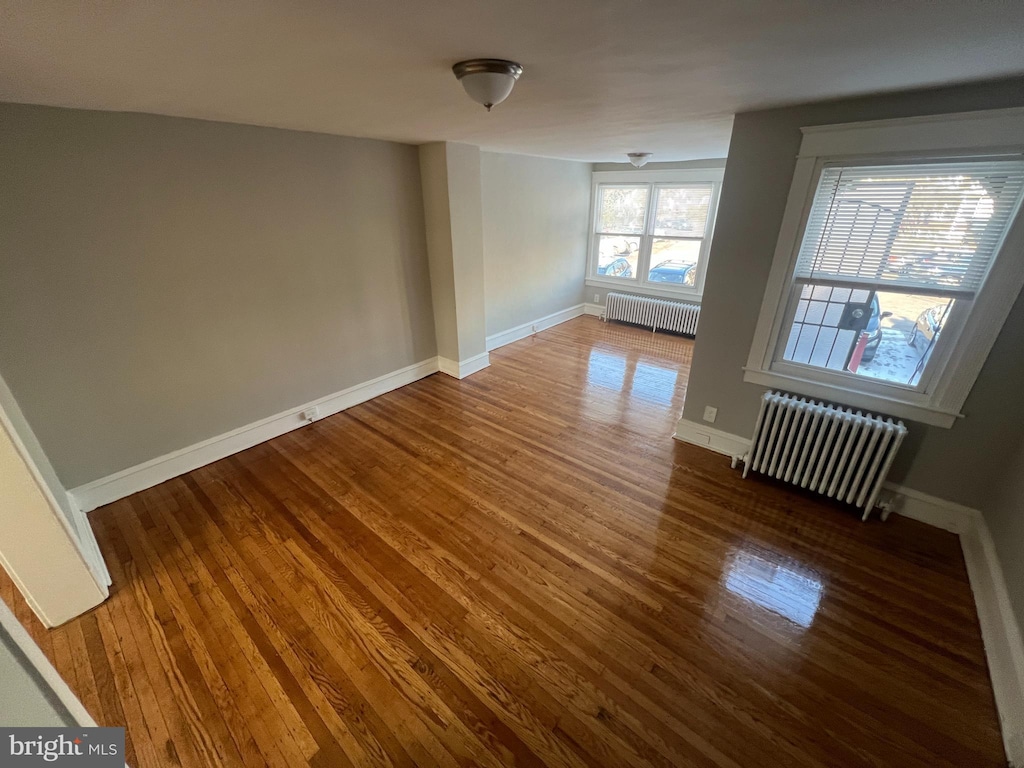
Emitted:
<point x="653" y="180"/>
<point x="964" y="345"/>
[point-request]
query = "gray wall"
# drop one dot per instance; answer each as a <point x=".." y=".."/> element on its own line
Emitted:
<point x="535" y="214"/>
<point x="27" y="699"/>
<point x="955" y="464"/>
<point x="1004" y="514"/>
<point x="165" y="280"/>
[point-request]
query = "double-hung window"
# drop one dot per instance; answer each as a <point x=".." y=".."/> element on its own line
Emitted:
<point x="652" y="230"/>
<point x="886" y="276"/>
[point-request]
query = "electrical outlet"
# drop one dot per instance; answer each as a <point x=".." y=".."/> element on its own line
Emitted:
<point x="310" y="414"/>
<point x="597" y="298"/>
<point x="710" y="414"/>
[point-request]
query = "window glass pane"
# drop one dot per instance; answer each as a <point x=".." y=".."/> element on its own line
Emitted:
<point x="674" y="261"/>
<point x="683" y="211"/>
<point x="622" y="210"/>
<point x="903" y="346"/>
<point x="617" y="256"/>
<point x="883" y="335"/>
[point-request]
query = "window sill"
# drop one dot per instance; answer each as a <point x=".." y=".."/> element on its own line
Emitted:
<point x="645" y="290"/>
<point x="923" y="414"/>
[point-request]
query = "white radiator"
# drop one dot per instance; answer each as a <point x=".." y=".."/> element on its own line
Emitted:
<point x="832" y="450"/>
<point x="657" y="314"/>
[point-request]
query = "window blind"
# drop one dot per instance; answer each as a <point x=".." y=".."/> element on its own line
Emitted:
<point x="622" y="209"/>
<point x="682" y="211"/>
<point x="933" y="227"/>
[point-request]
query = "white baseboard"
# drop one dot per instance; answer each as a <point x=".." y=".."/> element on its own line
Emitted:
<point x="1001" y="634"/>
<point x="89" y="546"/>
<point x="474" y="364"/>
<point x="536" y="326"/>
<point x="462" y="369"/>
<point x="708" y="437"/>
<point x="448" y="367"/>
<point x="932" y="510"/>
<point x="155" y="471"/>
<point x="593" y="309"/>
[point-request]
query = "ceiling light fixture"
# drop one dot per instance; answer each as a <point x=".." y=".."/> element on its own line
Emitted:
<point x="639" y="159"/>
<point x="487" y="81"/>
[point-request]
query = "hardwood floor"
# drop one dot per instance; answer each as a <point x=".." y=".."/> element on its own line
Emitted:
<point x="523" y="568"/>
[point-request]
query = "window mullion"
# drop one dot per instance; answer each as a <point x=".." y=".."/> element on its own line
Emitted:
<point x="684" y="243"/>
<point x="643" y="265"/>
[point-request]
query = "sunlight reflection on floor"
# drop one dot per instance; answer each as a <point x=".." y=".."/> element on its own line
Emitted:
<point x="782" y="588"/>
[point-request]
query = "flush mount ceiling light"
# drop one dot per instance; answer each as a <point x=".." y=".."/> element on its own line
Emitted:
<point x="639" y="159"/>
<point x="487" y="81"/>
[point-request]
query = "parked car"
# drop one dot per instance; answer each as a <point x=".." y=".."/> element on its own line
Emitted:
<point x="619" y="267"/>
<point x="874" y="330"/>
<point x="928" y="324"/>
<point x="678" y="272"/>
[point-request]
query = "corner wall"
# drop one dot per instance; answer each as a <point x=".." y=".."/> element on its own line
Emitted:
<point x="166" y="280"/>
<point x="957" y="464"/>
<point x="77" y="523"/>
<point x="535" y="222"/>
<point x="455" y="247"/>
<point x="37" y="550"/>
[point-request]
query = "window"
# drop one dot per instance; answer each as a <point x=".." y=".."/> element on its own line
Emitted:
<point x="885" y="278"/>
<point x="890" y="255"/>
<point x="652" y="230"/>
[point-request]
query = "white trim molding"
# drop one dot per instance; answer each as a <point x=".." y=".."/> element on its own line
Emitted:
<point x="155" y="471"/>
<point x="932" y="510"/>
<point x="716" y="440"/>
<point x="496" y="340"/>
<point x="597" y="310"/>
<point x="1000" y="633"/>
<point x="626" y="286"/>
<point x="652" y="180"/>
<point x="463" y="368"/>
<point x="970" y="333"/>
<point x="876" y="403"/>
<point x="998" y="128"/>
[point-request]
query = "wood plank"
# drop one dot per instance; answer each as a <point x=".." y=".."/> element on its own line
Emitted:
<point x="523" y="568"/>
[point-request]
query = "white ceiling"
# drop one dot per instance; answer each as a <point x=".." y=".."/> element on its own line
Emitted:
<point x="602" y="77"/>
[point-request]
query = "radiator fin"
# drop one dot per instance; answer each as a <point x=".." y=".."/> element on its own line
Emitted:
<point x="656" y="314"/>
<point x="835" y="451"/>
